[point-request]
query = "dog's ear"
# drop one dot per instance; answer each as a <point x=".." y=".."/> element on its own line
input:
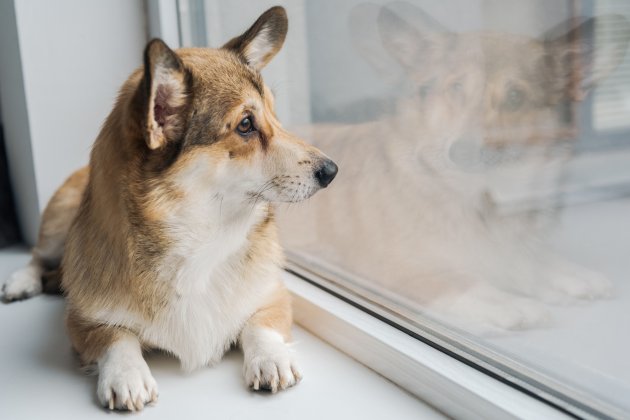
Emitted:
<point x="262" y="41"/>
<point x="577" y="61"/>
<point x="166" y="92"/>
<point x="409" y="34"/>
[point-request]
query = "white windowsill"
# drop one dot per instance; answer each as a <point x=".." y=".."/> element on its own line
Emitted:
<point x="40" y="378"/>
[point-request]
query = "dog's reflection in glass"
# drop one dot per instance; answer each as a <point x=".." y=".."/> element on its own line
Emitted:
<point x="413" y="210"/>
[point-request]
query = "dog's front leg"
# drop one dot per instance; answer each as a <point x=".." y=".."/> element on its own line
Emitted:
<point x="124" y="379"/>
<point x="269" y="363"/>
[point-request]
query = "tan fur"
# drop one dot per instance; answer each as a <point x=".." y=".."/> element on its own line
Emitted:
<point x="90" y="340"/>
<point x="60" y="212"/>
<point x="56" y="220"/>
<point x="276" y="314"/>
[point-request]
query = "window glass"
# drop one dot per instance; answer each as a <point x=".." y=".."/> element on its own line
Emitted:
<point x="484" y="174"/>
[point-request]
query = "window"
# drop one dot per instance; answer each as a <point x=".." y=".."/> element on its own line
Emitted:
<point x="612" y="100"/>
<point x="482" y="197"/>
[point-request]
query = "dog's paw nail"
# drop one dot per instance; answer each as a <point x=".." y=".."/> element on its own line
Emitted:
<point x="126" y="386"/>
<point x="296" y="373"/>
<point x="129" y="404"/>
<point x="272" y="370"/>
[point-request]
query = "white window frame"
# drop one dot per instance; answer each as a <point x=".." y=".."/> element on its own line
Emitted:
<point x="448" y="384"/>
<point x="163" y="22"/>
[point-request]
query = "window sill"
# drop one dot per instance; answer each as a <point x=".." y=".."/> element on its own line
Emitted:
<point x="40" y="377"/>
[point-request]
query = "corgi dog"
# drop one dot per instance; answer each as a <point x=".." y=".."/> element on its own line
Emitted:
<point x="411" y="223"/>
<point x="168" y="239"/>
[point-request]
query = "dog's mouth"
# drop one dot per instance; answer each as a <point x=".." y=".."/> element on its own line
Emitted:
<point x="296" y="194"/>
<point x="487" y="158"/>
<point x="286" y="189"/>
<point x="296" y="187"/>
<point x="469" y="158"/>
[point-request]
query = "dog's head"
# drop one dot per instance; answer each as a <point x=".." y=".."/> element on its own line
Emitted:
<point x="484" y="95"/>
<point x="208" y="120"/>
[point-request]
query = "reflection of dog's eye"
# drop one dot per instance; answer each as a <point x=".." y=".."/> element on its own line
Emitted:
<point x="246" y="125"/>
<point x="457" y="87"/>
<point x="514" y="99"/>
<point x="457" y="91"/>
<point x="425" y="90"/>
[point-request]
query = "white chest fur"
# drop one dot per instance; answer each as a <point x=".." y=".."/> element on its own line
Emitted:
<point x="204" y="318"/>
<point x="215" y="288"/>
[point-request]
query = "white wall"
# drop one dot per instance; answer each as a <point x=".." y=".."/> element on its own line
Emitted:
<point x="73" y="56"/>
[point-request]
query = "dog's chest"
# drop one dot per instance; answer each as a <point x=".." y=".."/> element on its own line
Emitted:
<point x="207" y="310"/>
<point x="213" y="295"/>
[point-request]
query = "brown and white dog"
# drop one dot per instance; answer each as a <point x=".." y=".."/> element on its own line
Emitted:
<point x="168" y="239"/>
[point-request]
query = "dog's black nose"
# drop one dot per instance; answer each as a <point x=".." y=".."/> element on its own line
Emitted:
<point x="326" y="173"/>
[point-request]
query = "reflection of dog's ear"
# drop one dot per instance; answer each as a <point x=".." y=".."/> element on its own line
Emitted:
<point x="579" y="60"/>
<point x="262" y="41"/>
<point x="409" y="34"/>
<point x="365" y="38"/>
<point x="165" y="84"/>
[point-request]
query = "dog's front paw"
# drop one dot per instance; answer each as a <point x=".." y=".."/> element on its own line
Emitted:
<point x="128" y="388"/>
<point x="572" y="281"/>
<point x="125" y="383"/>
<point x="270" y="366"/>
<point x="22" y="284"/>
<point x="485" y="310"/>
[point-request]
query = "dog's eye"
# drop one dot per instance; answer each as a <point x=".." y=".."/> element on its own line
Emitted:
<point x="514" y="99"/>
<point x="246" y="126"/>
